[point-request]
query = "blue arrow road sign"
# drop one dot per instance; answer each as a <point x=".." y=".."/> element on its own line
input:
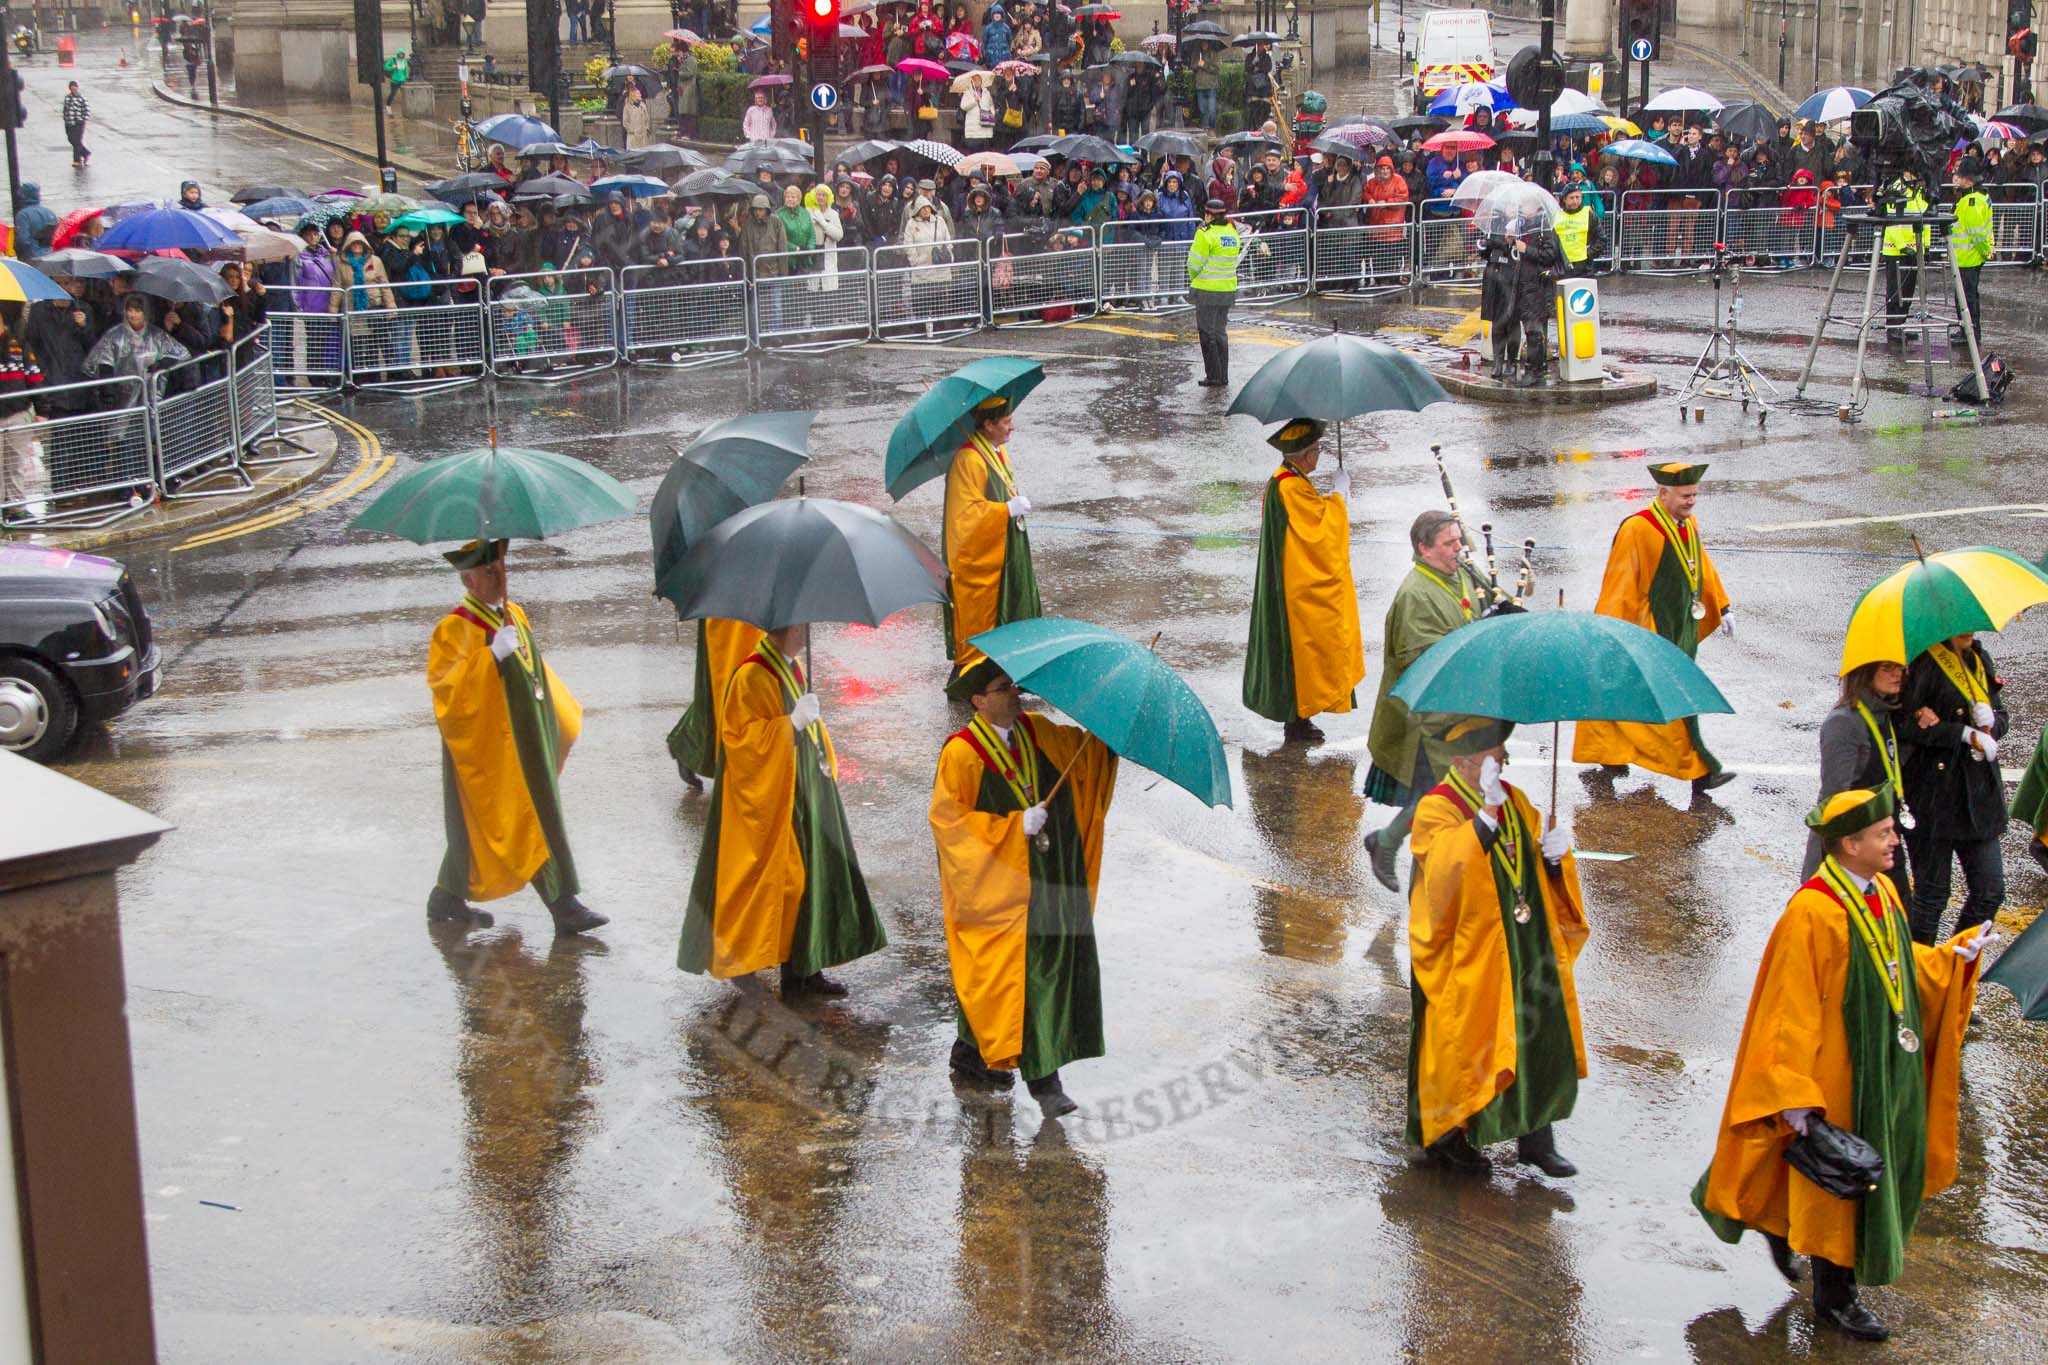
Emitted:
<point x="823" y="96"/>
<point x="1640" y="49"/>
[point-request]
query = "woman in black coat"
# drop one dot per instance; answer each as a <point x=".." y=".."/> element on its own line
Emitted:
<point x="1951" y="721"/>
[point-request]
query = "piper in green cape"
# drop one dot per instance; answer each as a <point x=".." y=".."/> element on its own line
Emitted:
<point x="984" y="543"/>
<point x="1436" y="597"/>
<point x="1853" y="1022"/>
<point x="2030" y="801"/>
<point x="777" y="882"/>
<point x="1305" y="656"/>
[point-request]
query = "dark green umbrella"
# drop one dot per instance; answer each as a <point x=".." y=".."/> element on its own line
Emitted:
<point x="493" y="493"/>
<point x="733" y="465"/>
<point x="798" y="560"/>
<point x="2023" y="970"/>
<point x="1336" y="377"/>
<point x="1535" y="666"/>
<point x="922" y="446"/>
<point x="1120" y="692"/>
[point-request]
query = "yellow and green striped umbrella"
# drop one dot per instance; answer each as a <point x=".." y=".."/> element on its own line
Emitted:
<point x="23" y="283"/>
<point x="1955" y="592"/>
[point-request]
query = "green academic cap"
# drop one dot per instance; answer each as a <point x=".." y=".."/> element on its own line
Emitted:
<point x="1852" y="812"/>
<point x="992" y="407"/>
<point x="1678" y="475"/>
<point x="476" y="554"/>
<point x="1475" y="735"/>
<point x="1298" y="435"/>
<point x="974" y="681"/>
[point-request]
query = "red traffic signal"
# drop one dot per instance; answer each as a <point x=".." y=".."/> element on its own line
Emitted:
<point x="822" y="12"/>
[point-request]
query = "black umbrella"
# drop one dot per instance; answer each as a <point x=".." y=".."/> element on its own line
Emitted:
<point x="461" y="189"/>
<point x="1171" y="142"/>
<point x="1257" y="35"/>
<point x="547" y="187"/>
<point x="878" y="69"/>
<point x="1037" y="142"/>
<point x="1410" y="124"/>
<point x="76" y="263"/>
<point x="166" y="277"/>
<point x="2032" y="117"/>
<point x="712" y="183"/>
<point x="798" y="560"/>
<point x="865" y="151"/>
<point x="251" y="194"/>
<point x="662" y="158"/>
<point x="1259" y="140"/>
<point x="1204" y="31"/>
<point x="1134" y="59"/>
<point x="755" y="157"/>
<point x="590" y="149"/>
<point x="1747" y="119"/>
<point x="1087" y="147"/>
<point x="534" y="151"/>
<point x="733" y="465"/>
<point x="1971" y="75"/>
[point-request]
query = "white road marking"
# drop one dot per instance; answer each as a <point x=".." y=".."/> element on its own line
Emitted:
<point x="2034" y="509"/>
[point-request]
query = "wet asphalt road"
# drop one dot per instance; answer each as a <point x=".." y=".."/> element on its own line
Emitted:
<point x="501" y="1148"/>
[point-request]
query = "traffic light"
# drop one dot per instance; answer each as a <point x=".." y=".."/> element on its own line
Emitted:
<point x="14" y="113"/>
<point x="1641" y="22"/>
<point x="543" y="45"/>
<point x="783" y="31"/>
<point x="821" y="26"/>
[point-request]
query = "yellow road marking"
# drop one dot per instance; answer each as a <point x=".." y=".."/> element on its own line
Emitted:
<point x="1463" y="330"/>
<point x="371" y="465"/>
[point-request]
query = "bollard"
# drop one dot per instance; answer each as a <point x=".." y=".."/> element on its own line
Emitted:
<point x="66" y="49"/>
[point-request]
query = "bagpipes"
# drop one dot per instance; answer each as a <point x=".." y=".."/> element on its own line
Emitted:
<point x="1499" y="601"/>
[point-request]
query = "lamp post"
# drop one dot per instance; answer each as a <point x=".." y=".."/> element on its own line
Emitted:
<point x="1784" y="22"/>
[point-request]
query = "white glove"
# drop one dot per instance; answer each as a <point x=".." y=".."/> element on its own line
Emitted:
<point x="1797" y="1118"/>
<point x="1967" y="949"/>
<point x="1020" y="507"/>
<point x="1982" y="714"/>
<point x="1340" y="484"/>
<point x="1983" y="743"/>
<point x="804" y="714"/>
<point x="505" y="643"/>
<point x="1556" y="843"/>
<point x="1034" y="820"/>
<point x="1490" y="789"/>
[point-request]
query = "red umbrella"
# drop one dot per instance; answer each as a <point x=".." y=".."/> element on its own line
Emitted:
<point x="1013" y="67"/>
<point x="963" y="47"/>
<point x="69" y="224"/>
<point x="1458" y="140"/>
<point x="924" y="68"/>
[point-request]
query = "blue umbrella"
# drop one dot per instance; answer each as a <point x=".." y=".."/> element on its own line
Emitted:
<point x="1496" y="95"/>
<point x="1579" y="125"/>
<point x="165" y="230"/>
<point x="1638" y="150"/>
<point x="643" y="186"/>
<point x="1835" y="102"/>
<point x="515" y="130"/>
<point x="1120" y="692"/>
<point x="922" y="446"/>
<point x="21" y="282"/>
<point x="284" y="206"/>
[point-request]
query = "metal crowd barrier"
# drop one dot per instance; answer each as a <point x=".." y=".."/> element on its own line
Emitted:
<point x="306" y="352"/>
<point x="192" y="418"/>
<point x="669" y="320"/>
<point x="1272" y="265"/>
<point x="1835" y="236"/>
<point x="1149" y="273"/>
<point x="1357" y="259"/>
<point x="1759" y="227"/>
<point x="552" y="325"/>
<point x="1665" y="231"/>
<point x="793" y="311"/>
<point x="1447" y="247"/>
<point x="1044" y="281"/>
<point x="936" y="300"/>
<point x="93" y="444"/>
<point x="2015" y="224"/>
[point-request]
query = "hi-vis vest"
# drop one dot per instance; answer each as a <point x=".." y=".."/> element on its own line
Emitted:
<point x="1572" y="230"/>
<point x="1899" y="241"/>
<point x="1212" y="258"/>
<point x="1970" y="238"/>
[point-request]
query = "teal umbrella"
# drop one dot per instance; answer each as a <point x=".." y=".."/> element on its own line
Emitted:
<point x="1334" y="378"/>
<point x="1554" y="666"/>
<point x="420" y="219"/>
<point x="493" y="493"/>
<point x="730" y="467"/>
<point x="1119" y="691"/>
<point x="2023" y="970"/>
<point x="938" y="424"/>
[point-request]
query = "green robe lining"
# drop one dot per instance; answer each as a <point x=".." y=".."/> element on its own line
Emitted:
<point x="1269" y="657"/>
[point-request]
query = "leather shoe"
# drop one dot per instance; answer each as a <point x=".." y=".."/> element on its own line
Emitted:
<point x="1456" y="1151"/>
<point x="1301" y="731"/>
<point x="1539" y="1149"/>
<point x="1052" y="1098"/>
<point x="1381" y="856"/>
<point x="1213" y="383"/>
<point x="968" y="1066"/>
<point x="443" y="908"/>
<point x="2038" y="851"/>
<point x="1703" y="785"/>
<point x="1790" y="1263"/>
<point x="573" y="917"/>
<point x="1852" y="1319"/>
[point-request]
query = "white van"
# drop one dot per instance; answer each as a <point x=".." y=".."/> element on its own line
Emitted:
<point x="1456" y="46"/>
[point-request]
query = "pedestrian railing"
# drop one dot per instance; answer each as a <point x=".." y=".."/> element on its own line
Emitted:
<point x="1146" y="270"/>
<point x="928" y="293"/>
<point x="793" y="311"/>
<point x="415" y="348"/>
<point x="90" y="461"/>
<point x="306" y="352"/>
<point x="668" y="319"/>
<point x="1043" y="281"/>
<point x="2015" y="225"/>
<point x="1359" y="256"/>
<point x="1767" y="233"/>
<point x="1447" y="245"/>
<point x="1273" y="255"/>
<point x="1668" y="231"/>
<point x="552" y="325"/>
<point x="198" y="453"/>
<point x="1836" y="232"/>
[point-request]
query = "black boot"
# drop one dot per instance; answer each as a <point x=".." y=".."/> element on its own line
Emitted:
<point x="795" y="985"/>
<point x="1052" y="1098"/>
<point x="1456" y="1151"/>
<point x="1539" y="1149"/>
<point x="690" y="776"/>
<point x="1500" y="362"/>
<point x="1301" y="731"/>
<point x="968" y="1066"/>
<point x="2038" y="851"/>
<point x="1835" y="1303"/>
<point x="1790" y="1264"/>
<point x="1702" y="785"/>
<point x="1383" y="853"/>
<point x="443" y="908"/>
<point x="573" y="917"/>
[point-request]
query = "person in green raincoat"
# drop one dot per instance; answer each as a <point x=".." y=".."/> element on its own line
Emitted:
<point x="984" y="544"/>
<point x="799" y="228"/>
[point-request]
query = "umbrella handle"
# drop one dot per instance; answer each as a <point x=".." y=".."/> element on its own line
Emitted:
<point x="1555" y="729"/>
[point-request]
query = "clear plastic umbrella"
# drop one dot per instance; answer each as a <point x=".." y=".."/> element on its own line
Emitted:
<point x="1513" y="210"/>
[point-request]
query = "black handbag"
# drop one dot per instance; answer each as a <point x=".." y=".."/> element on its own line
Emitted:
<point x="1838" y="1161"/>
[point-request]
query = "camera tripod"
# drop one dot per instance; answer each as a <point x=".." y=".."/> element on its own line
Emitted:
<point x="1919" y="317"/>
<point x="1723" y="371"/>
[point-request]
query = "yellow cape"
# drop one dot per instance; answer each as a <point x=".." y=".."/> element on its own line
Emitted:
<point x="506" y="845"/>
<point x="1625" y="593"/>
<point x="760" y="867"/>
<point x="1322" y="603"/>
<point x="1458" y="949"/>
<point x="985" y="874"/>
<point x="1795" y="1055"/>
<point x="976" y="528"/>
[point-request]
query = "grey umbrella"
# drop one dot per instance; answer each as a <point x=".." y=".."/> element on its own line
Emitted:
<point x="1171" y="142"/>
<point x="176" y="281"/>
<point x="798" y="560"/>
<point x="756" y="157"/>
<point x="711" y="184"/>
<point x="1086" y="147"/>
<point x="76" y="263"/>
<point x="1336" y="377"/>
<point x="663" y="158"/>
<point x="732" y="466"/>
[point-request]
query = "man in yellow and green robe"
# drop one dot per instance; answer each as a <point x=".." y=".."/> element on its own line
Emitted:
<point x="2030" y="801"/>
<point x="777" y="882"/>
<point x="1852" y="1022"/>
<point x="507" y="724"/>
<point x="1020" y="855"/>
<point x="1305" y="656"/>
<point x="1495" y="924"/>
<point x="693" y="742"/>
<point x="984" y="543"/>
<point x="1660" y="576"/>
